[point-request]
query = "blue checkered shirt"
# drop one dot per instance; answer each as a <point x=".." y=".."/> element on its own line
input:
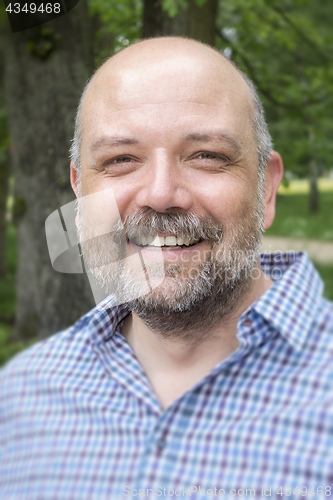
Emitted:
<point x="79" y="420"/>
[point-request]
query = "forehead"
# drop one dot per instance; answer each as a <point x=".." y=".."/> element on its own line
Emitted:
<point x="167" y="88"/>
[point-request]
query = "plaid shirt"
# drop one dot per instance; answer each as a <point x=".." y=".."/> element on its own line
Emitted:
<point x="80" y="421"/>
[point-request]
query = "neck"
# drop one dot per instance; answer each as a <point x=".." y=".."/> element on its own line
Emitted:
<point x="172" y="364"/>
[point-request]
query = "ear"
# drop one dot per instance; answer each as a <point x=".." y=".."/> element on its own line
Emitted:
<point x="74" y="179"/>
<point x="273" y="177"/>
<point x="74" y="184"/>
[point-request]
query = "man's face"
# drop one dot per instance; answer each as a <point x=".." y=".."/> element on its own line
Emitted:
<point x="172" y="137"/>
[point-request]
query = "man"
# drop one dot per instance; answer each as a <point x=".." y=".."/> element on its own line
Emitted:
<point x="217" y="381"/>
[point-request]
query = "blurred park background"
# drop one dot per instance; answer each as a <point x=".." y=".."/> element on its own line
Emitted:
<point x="285" y="46"/>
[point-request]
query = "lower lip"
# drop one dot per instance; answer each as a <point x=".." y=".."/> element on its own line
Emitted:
<point x="168" y="252"/>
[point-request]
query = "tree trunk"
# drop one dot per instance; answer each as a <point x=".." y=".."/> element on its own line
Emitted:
<point x="4" y="177"/>
<point x="194" y="21"/>
<point x="314" y="191"/>
<point x="4" y="166"/>
<point x="313" y="177"/>
<point x="46" y="68"/>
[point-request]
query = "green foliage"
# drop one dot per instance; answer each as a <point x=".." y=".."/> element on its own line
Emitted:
<point x="63" y="182"/>
<point x="286" y="47"/>
<point x="117" y="25"/>
<point x="200" y="3"/>
<point x="4" y="136"/>
<point x="8" y="349"/>
<point x="172" y="7"/>
<point x="42" y="43"/>
<point x="19" y="208"/>
<point x="7" y="285"/>
<point x="3" y="15"/>
<point x="11" y="245"/>
<point x="7" y="298"/>
<point x="294" y="220"/>
<point x="7" y="301"/>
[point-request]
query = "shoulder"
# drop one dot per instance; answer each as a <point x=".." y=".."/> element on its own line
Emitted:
<point x="53" y="347"/>
<point x="49" y="366"/>
<point x="318" y="342"/>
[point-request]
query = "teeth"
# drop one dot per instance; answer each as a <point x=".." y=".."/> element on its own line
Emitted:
<point x="158" y="241"/>
<point x="168" y="241"/>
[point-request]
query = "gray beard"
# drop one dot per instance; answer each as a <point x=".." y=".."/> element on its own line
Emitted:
<point x="188" y="301"/>
<point x="200" y="299"/>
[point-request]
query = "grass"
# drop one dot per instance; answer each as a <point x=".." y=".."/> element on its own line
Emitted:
<point x="294" y="220"/>
<point x="302" y="186"/>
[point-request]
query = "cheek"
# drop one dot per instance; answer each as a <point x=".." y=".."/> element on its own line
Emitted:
<point x="119" y="189"/>
<point x="102" y="204"/>
<point x="99" y="212"/>
<point x="228" y="201"/>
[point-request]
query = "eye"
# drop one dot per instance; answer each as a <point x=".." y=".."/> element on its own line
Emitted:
<point x="209" y="161"/>
<point x="119" y="165"/>
<point x="208" y="156"/>
<point x="118" y="159"/>
<point x="211" y="157"/>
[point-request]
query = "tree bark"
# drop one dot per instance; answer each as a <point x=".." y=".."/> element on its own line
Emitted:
<point x="4" y="177"/>
<point x="313" y="178"/>
<point x="194" y="21"/>
<point x="314" y="191"/>
<point x="4" y="166"/>
<point x="46" y="68"/>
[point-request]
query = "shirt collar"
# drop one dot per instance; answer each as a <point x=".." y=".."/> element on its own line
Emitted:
<point x="291" y="304"/>
<point x="105" y="319"/>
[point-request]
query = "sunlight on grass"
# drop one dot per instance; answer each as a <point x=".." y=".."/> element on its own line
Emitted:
<point x="302" y="186"/>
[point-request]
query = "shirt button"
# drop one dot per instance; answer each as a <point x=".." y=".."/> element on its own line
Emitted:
<point x="160" y="443"/>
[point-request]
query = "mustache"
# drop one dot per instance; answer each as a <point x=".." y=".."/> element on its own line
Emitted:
<point x="149" y="223"/>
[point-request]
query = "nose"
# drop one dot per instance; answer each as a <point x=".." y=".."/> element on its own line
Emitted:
<point x="164" y="186"/>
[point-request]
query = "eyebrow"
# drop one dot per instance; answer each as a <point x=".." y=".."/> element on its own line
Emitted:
<point x="215" y="136"/>
<point x="107" y="140"/>
<point x="114" y="141"/>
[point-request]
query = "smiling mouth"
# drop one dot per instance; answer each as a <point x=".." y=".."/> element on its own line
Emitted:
<point x="164" y="242"/>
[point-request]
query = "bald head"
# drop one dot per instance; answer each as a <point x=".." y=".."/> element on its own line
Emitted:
<point x="152" y="68"/>
<point x="172" y="53"/>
